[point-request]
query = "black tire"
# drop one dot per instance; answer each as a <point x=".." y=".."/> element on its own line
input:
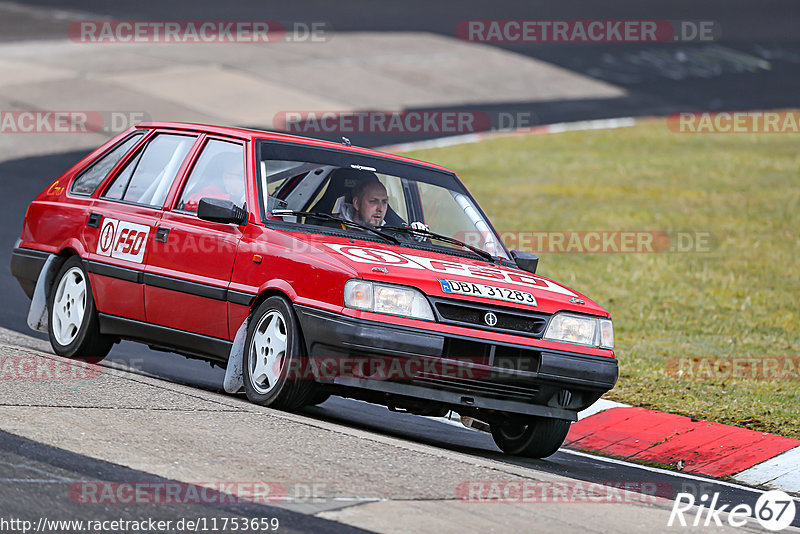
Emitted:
<point x="73" y="326"/>
<point x="538" y="437"/>
<point x="271" y="379"/>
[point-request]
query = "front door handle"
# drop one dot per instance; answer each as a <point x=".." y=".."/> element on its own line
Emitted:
<point x="161" y="234"/>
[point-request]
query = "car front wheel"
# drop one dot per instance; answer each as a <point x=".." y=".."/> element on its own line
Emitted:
<point x="72" y="321"/>
<point x="273" y="366"/>
<point x="536" y="437"/>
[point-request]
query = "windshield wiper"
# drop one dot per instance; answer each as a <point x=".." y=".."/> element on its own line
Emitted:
<point x="452" y="240"/>
<point x="342" y="220"/>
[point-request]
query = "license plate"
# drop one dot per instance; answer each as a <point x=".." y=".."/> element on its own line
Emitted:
<point x="487" y="292"/>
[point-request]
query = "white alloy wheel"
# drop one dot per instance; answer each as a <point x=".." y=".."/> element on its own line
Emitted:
<point x="267" y="352"/>
<point x="69" y="306"/>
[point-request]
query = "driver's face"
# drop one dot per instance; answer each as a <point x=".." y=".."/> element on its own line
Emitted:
<point x="371" y="206"/>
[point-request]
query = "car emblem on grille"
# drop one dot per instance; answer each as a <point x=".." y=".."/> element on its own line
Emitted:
<point x="490" y="319"/>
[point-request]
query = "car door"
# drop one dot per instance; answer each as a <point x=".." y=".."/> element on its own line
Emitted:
<point x="190" y="263"/>
<point x="121" y="224"/>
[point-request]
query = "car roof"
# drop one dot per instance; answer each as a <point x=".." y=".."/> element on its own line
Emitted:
<point x="253" y="134"/>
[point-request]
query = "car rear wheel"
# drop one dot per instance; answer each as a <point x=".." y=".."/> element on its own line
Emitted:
<point x="72" y="324"/>
<point x="273" y="358"/>
<point x="538" y="437"/>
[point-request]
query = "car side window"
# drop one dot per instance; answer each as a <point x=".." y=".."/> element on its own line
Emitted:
<point x="218" y="173"/>
<point x="89" y="180"/>
<point x="397" y="199"/>
<point x="146" y="178"/>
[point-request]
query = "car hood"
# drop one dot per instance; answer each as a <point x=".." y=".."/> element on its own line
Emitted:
<point x="432" y="272"/>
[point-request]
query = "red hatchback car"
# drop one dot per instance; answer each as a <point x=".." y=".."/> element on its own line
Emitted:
<point x="309" y="268"/>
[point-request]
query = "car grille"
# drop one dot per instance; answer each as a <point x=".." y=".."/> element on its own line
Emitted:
<point x="484" y="370"/>
<point x="508" y="319"/>
<point x="502" y="356"/>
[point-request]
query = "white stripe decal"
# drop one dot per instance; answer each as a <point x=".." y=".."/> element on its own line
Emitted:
<point x="410" y="261"/>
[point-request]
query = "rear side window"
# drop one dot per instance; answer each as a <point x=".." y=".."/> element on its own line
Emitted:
<point x="89" y="180"/>
<point x="147" y="177"/>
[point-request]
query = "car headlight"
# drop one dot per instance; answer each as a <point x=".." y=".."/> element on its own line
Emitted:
<point x="385" y="298"/>
<point x="581" y="330"/>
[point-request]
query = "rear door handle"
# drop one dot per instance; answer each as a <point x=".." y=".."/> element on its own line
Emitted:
<point x="161" y="234"/>
<point x="94" y="220"/>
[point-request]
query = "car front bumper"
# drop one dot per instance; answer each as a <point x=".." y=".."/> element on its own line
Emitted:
<point x="457" y="371"/>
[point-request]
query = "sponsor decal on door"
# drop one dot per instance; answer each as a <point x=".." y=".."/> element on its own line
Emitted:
<point x="123" y="240"/>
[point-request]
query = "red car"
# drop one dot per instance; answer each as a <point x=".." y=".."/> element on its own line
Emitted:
<point x="310" y="268"/>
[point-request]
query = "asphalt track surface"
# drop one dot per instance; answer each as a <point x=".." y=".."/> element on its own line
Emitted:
<point x="754" y="64"/>
<point x="655" y="88"/>
<point x="42" y="475"/>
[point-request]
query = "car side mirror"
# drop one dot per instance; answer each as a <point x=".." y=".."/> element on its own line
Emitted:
<point x="221" y="211"/>
<point x="525" y="260"/>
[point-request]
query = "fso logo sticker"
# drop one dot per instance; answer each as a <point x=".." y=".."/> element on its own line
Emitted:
<point x="122" y="239"/>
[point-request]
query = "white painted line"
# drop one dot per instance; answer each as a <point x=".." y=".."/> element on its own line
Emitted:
<point x="435" y="143"/>
<point x="782" y="472"/>
<point x="559" y="127"/>
<point x="601" y="124"/>
<point x="658" y="470"/>
<point x="317" y="500"/>
<point x="600" y="406"/>
<point x="360" y="499"/>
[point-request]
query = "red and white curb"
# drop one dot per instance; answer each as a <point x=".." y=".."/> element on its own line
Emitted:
<point x="694" y="446"/>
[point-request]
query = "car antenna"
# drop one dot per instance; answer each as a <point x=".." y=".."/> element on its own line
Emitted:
<point x="346" y="141"/>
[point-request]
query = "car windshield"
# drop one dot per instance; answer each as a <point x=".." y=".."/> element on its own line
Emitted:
<point x="413" y="205"/>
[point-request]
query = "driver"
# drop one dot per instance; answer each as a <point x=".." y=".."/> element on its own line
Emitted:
<point x="370" y="203"/>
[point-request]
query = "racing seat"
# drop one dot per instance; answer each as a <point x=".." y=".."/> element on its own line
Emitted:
<point x="340" y="183"/>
